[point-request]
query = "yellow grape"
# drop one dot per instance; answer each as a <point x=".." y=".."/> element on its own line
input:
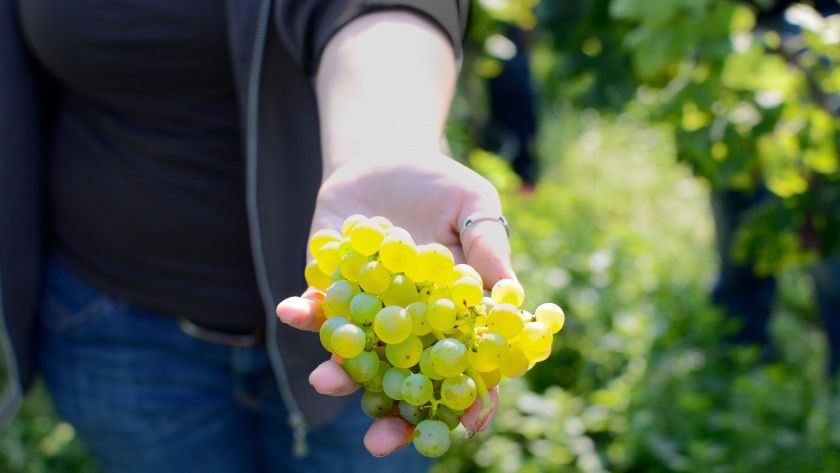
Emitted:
<point x="466" y="292"/>
<point x="351" y="222"/>
<point x="419" y="324"/>
<point x="552" y="316"/>
<point x="401" y="291"/>
<point x="504" y="319"/>
<point x="392" y="324"/>
<point x="514" y="364"/>
<point x="398" y="252"/>
<point x="491" y="378"/>
<point x="317" y="240"/>
<point x="351" y="264"/>
<point x="434" y="263"/>
<point x="508" y="291"/>
<point x="383" y="222"/>
<point x="366" y="236"/>
<point x="441" y="315"/>
<point x="462" y="270"/>
<point x="534" y="339"/>
<point x="328" y="258"/>
<point x="348" y="340"/>
<point x="315" y="277"/>
<point x="374" y="277"/>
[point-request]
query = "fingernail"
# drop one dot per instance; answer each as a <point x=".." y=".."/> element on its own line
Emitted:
<point x="469" y="433"/>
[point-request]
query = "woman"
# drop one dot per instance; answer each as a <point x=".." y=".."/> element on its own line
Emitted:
<point x="160" y="175"/>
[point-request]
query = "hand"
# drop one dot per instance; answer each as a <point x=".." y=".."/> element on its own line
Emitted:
<point x="429" y="197"/>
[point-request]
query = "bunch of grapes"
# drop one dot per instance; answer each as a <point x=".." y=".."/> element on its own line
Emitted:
<point x="417" y="330"/>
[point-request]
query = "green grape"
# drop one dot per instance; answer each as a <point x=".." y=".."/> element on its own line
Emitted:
<point x="374" y="277"/>
<point x="315" y="277"/>
<point x="552" y="316"/>
<point x="417" y="312"/>
<point x="504" y="319"/>
<point x="448" y="416"/>
<point x="514" y="364"/>
<point x="376" y="404"/>
<point x="351" y="222"/>
<point x="383" y="222"/>
<point x="319" y="238"/>
<point x="392" y="382"/>
<point x="338" y="297"/>
<point x="491" y="378"/>
<point x="462" y="270"/>
<point x="364" y="307"/>
<point x="406" y="353"/>
<point x="366" y="237"/>
<point x="534" y="340"/>
<point x="328" y="258"/>
<point x="392" y="324"/>
<point x="441" y="315"/>
<point x="431" y="438"/>
<point x="375" y="383"/>
<point x="416" y="389"/>
<point x="449" y="357"/>
<point x="458" y="392"/>
<point x="508" y="291"/>
<point x="362" y="367"/>
<point x="491" y="348"/>
<point x="327" y="329"/>
<point x="401" y="291"/>
<point x="412" y="414"/>
<point x="348" y="341"/>
<point x="397" y="251"/>
<point x="467" y="292"/>
<point x="434" y="263"/>
<point x="426" y="365"/>
<point x="351" y="264"/>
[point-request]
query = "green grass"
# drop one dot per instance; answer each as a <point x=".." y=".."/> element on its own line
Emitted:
<point x="620" y="235"/>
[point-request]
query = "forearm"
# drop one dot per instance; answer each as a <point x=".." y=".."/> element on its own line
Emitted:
<point x="384" y="86"/>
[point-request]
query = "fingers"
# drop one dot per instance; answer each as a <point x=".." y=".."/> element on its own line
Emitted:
<point x="472" y="418"/>
<point x="388" y="434"/>
<point x="486" y="248"/>
<point x="330" y="378"/>
<point x="303" y="312"/>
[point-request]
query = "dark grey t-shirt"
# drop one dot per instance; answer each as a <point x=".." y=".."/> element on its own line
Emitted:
<point x="146" y="171"/>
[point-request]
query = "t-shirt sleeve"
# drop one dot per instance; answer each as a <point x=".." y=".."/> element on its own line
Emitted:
<point x="305" y="26"/>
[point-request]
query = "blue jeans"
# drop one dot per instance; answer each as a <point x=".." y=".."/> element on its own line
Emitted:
<point x="147" y="398"/>
<point x="750" y="297"/>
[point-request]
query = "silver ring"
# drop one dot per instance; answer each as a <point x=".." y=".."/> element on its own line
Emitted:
<point x="482" y="216"/>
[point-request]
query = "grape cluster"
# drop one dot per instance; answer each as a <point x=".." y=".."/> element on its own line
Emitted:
<point x="417" y="330"/>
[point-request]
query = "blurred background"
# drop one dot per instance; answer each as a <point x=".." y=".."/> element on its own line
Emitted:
<point x="670" y="172"/>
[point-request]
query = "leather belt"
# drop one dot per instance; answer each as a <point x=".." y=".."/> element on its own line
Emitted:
<point x="219" y="337"/>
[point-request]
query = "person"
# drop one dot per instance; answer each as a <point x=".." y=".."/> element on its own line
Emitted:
<point x="161" y="167"/>
<point x="749" y="297"/>
<point x="512" y="124"/>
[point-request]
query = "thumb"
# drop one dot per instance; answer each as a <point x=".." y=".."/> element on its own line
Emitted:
<point x="486" y="246"/>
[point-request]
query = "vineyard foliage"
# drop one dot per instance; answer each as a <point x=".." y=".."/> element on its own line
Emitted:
<point x="751" y="99"/>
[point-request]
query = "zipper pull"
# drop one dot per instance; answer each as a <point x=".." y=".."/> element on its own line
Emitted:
<point x="300" y="447"/>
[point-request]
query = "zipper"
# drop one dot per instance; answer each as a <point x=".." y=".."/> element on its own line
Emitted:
<point x="12" y="399"/>
<point x="296" y="419"/>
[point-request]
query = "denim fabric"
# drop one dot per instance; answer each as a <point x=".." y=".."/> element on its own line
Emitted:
<point x="749" y="297"/>
<point x="145" y="397"/>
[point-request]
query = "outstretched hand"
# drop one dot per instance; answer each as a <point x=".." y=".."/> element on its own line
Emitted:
<point x="430" y="198"/>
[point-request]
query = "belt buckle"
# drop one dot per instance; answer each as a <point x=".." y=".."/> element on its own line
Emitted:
<point x="218" y="337"/>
